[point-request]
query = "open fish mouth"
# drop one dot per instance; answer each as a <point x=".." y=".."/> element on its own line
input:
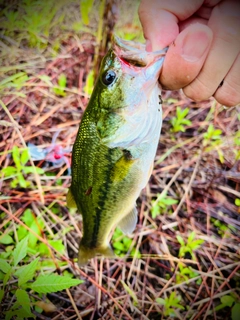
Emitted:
<point x="134" y="53"/>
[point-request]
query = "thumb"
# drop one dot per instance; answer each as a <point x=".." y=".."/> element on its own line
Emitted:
<point x="186" y="56"/>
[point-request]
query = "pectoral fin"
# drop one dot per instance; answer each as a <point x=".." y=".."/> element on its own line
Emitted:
<point x="70" y="200"/>
<point x="123" y="166"/>
<point x="128" y="223"/>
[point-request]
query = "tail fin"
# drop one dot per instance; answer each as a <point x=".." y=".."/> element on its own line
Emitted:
<point x="85" y="254"/>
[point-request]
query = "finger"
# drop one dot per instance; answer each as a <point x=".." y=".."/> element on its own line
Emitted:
<point x="160" y="19"/>
<point x="229" y="93"/>
<point x="206" y="9"/>
<point x="225" y="24"/>
<point x="186" y="56"/>
<point x="193" y="20"/>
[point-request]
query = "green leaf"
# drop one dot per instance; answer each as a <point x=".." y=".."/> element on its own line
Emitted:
<point x="169" y="201"/>
<point x="31" y="169"/>
<point x="227" y="300"/>
<point x="22" y="182"/>
<point x="53" y="283"/>
<point x="14" y="183"/>
<point x="196" y="243"/>
<point x="23" y="300"/>
<point x="20" y="251"/>
<point x="39" y="170"/>
<point x="127" y="242"/>
<point x="26" y="272"/>
<point x="6" y="254"/>
<point x="56" y="244"/>
<point x="237" y="202"/>
<point x="62" y="80"/>
<point x="7" y="277"/>
<point x="36" y="226"/>
<point x="6" y="239"/>
<point x="9" y="79"/>
<point x="21" y="232"/>
<point x="9" y="171"/>
<point x="28" y="217"/>
<point x="24" y="156"/>
<point x="119" y="246"/>
<point x="180" y="240"/>
<point x="5" y="266"/>
<point x="20" y="81"/>
<point x="16" y="157"/>
<point x="85" y="8"/>
<point x="161" y="301"/>
<point x="9" y="315"/>
<point x="1" y="294"/>
<point x="191" y="237"/>
<point x="155" y="211"/>
<point x="236" y="311"/>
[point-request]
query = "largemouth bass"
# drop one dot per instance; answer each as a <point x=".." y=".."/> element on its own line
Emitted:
<point x="113" y="154"/>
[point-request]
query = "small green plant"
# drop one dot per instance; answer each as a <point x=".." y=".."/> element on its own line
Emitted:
<point x="185" y="273"/>
<point x="62" y="82"/>
<point x="161" y="205"/>
<point x="20" y="170"/>
<point x="231" y="302"/>
<point x="170" y="303"/>
<point x="19" y="278"/>
<point x="17" y="81"/>
<point x="212" y="136"/>
<point x="212" y="140"/>
<point x="189" y="246"/>
<point x="179" y="122"/>
<point x="122" y="244"/>
<point x="223" y="229"/>
<point x="31" y="21"/>
<point x="36" y="224"/>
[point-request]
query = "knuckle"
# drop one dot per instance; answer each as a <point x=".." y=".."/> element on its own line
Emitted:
<point x="197" y="90"/>
<point x="229" y="93"/>
<point x="228" y="96"/>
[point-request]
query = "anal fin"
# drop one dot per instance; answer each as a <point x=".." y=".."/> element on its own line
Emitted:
<point x="128" y="223"/>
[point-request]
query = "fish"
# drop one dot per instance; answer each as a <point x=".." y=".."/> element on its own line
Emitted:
<point x="115" y="147"/>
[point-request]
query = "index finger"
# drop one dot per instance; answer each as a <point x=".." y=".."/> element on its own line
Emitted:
<point x="160" y="18"/>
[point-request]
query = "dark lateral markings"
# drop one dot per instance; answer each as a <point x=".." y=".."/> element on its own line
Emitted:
<point x="160" y="99"/>
<point x="89" y="191"/>
<point x="102" y="200"/>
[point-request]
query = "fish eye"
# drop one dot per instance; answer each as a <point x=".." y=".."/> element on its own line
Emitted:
<point x="108" y="77"/>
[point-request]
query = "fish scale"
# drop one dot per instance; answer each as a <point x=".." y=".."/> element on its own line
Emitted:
<point x="115" y="146"/>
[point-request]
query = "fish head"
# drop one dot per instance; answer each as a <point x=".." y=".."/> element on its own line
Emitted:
<point x="124" y="90"/>
<point x="126" y="71"/>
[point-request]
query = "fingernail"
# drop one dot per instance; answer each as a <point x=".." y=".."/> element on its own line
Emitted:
<point x="148" y="45"/>
<point x="195" y="45"/>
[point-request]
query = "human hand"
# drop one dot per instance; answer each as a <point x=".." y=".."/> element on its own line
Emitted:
<point x="204" y="46"/>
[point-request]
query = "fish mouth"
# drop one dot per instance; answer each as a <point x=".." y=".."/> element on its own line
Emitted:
<point x="135" y="54"/>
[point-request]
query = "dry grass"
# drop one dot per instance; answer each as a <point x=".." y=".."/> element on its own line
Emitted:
<point x="205" y="187"/>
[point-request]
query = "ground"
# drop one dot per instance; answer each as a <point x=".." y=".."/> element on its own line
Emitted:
<point x="182" y="260"/>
